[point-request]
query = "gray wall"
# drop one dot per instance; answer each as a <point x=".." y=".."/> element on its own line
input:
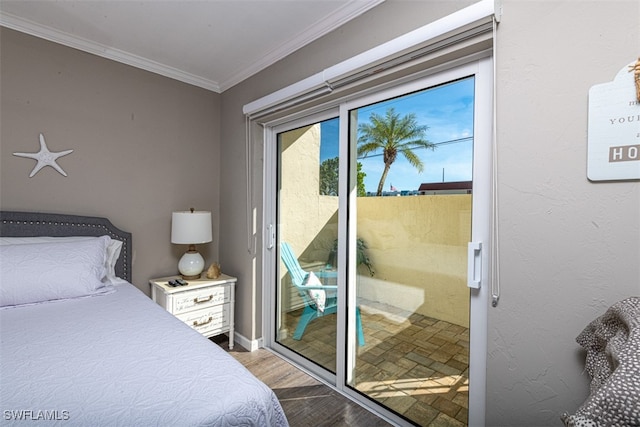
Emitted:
<point x="144" y="145"/>
<point x="569" y="247"/>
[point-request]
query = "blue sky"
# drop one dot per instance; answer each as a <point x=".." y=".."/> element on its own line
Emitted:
<point x="447" y="110"/>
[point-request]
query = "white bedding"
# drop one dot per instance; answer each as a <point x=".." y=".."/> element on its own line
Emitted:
<point x="119" y="359"/>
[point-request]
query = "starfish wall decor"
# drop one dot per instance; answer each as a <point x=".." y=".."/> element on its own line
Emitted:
<point x="45" y="158"/>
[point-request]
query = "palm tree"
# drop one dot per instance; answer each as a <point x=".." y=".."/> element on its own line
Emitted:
<point x="393" y="134"/>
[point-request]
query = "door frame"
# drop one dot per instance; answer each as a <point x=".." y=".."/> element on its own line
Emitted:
<point x="482" y="68"/>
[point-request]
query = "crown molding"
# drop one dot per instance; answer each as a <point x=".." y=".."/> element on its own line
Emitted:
<point x="349" y="11"/>
<point x="32" y="28"/>
<point x="29" y="27"/>
<point x="346" y="13"/>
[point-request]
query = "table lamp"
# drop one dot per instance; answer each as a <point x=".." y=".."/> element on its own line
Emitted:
<point x="191" y="228"/>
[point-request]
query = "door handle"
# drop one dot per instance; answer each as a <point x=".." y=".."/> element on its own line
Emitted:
<point x="271" y="237"/>
<point x="474" y="266"/>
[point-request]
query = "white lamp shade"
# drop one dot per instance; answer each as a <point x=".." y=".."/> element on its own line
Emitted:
<point x="190" y="228"/>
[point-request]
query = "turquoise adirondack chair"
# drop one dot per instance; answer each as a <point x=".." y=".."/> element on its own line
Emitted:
<point x="320" y="300"/>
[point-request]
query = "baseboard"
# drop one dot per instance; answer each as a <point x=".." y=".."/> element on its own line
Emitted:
<point x="247" y="344"/>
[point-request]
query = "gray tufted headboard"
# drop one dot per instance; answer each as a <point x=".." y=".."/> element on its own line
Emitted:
<point x="31" y="224"/>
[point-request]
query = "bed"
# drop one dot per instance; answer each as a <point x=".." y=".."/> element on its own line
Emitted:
<point x="80" y="345"/>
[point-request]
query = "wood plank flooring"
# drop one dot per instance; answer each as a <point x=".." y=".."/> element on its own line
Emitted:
<point x="306" y="401"/>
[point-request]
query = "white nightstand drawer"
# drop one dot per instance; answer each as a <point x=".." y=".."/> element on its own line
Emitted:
<point x="200" y="298"/>
<point x="207" y="305"/>
<point x="208" y="319"/>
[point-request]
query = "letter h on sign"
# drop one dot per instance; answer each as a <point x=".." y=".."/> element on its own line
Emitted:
<point x="625" y="153"/>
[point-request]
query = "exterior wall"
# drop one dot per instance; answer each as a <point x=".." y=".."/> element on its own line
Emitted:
<point x="568" y="247"/>
<point x="144" y="145"/>
<point x="307" y="221"/>
<point x="418" y="248"/>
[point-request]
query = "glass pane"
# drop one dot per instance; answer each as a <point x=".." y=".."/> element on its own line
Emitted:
<point x="412" y="227"/>
<point x="308" y="232"/>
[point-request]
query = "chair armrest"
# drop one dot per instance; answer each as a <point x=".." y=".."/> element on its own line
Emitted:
<point x="323" y="274"/>
<point x="323" y="287"/>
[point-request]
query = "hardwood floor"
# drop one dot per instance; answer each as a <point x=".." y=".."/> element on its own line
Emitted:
<point x="306" y="401"/>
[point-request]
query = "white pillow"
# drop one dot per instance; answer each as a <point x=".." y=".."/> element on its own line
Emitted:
<point x="113" y="249"/>
<point x="318" y="296"/>
<point x="32" y="273"/>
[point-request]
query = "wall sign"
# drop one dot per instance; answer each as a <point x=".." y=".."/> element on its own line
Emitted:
<point x="613" y="143"/>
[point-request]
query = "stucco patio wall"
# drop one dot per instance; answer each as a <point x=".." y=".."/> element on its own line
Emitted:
<point x="417" y="245"/>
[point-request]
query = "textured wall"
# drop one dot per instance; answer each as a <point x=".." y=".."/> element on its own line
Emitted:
<point x="144" y="145"/>
<point x="418" y="247"/>
<point x="569" y="247"/>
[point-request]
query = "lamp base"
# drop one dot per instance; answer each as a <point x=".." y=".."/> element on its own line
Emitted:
<point x="191" y="265"/>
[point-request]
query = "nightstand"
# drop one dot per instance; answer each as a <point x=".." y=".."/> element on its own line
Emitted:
<point x="206" y="305"/>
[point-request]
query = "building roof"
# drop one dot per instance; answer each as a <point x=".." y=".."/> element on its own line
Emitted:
<point x="447" y="186"/>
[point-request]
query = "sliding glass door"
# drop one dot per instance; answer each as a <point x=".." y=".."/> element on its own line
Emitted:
<point x="380" y="221"/>
<point x="307" y="237"/>
<point x="412" y="224"/>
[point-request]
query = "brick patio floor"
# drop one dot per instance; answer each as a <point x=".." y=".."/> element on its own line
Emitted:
<point x="415" y="365"/>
